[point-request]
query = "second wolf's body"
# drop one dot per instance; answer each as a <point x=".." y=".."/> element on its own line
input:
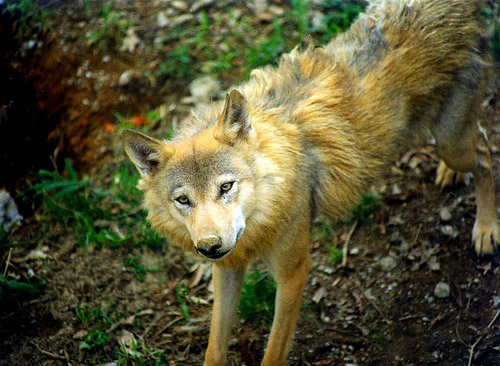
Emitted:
<point x="244" y="179"/>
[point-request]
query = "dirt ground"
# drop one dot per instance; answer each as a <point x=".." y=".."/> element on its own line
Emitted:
<point x="381" y="309"/>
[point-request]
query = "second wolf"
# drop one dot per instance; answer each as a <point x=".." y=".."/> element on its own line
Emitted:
<point x="244" y="179"/>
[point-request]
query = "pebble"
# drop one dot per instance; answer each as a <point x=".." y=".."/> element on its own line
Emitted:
<point x="450" y="231"/>
<point x="387" y="264"/>
<point x="354" y="251"/>
<point x="442" y="290"/>
<point x="9" y="214"/>
<point x="445" y="214"/>
<point x="204" y="89"/>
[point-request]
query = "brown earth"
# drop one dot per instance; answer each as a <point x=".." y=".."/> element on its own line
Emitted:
<point x="63" y="94"/>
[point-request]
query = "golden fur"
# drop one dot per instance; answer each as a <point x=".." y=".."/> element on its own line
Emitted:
<point x="308" y="137"/>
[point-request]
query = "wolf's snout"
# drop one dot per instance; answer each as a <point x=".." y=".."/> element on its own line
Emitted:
<point x="210" y="247"/>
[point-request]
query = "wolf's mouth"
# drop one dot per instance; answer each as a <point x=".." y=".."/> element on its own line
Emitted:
<point x="217" y="255"/>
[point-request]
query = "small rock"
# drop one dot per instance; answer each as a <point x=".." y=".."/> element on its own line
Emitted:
<point x="319" y="295"/>
<point x="442" y="290"/>
<point x="318" y="20"/>
<point x="181" y="20"/>
<point x="396" y="190"/>
<point x="450" y="231"/>
<point x="354" y="251"/>
<point x="204" y="89"/>
<point x="161" y="20"/>
<point x="445" y="214"/>
<point x="133" y="80"/>
<point x="81" y="334"/>
<point x="201" y="4"/>
<point x="387" y="264"/>
<point x="130" y="42"/>
<point x="9" y="214"/>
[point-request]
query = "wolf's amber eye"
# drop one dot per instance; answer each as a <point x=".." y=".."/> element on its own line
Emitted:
<point x="183" y="200"/>
<point x="226" y="187"/>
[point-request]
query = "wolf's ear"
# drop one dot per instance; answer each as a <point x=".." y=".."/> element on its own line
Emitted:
<point x="145" y="152"/>
<point x="234" y="122"/>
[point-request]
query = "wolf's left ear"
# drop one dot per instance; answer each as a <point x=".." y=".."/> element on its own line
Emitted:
<point x="145" y="152"/>
<point x="234" y="122"/>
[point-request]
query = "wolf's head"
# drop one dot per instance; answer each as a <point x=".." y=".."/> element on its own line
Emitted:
<point x="201" y="187"/>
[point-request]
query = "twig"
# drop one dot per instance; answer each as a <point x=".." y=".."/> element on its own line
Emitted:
<point x="7" y="263"/>
<point x="168" y="325"/>
<point x="473" y="347"/>
<point x="50" y="354"/>
<point x="346" y="244"/>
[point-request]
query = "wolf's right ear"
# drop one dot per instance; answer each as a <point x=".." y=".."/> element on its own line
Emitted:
<point x="234" y="122"/>
<point x="145" y="152"/>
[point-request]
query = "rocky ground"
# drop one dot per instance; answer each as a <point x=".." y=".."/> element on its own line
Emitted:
<point x="411" y="292"/>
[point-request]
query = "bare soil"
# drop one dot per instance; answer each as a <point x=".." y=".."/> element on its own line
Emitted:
<point x="362" y="314"/>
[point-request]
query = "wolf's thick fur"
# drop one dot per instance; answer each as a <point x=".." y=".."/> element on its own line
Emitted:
<point x="244" y="178"/>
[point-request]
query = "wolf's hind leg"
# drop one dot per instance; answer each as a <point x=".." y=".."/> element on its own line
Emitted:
<point x="463" y="146"/>
<point x="466" y="150"/>
<point x="486" y="231"/>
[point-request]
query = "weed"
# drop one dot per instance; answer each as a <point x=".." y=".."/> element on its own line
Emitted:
<point x="182" y="293"/>
<point x="257" y="297"/>
<point x="300" y="9"/>
<point x="17" y="289"/>
<point x="364" y="210"/>
<point x="178" y="64"/>
<point x="339" y="15"/>
<point x="110" y="34"/>
<point x="336" y="254"/>
<point x="139" y="270"/>
<point x="138" y="354"/>
<point x="31" y="18"/>
<point x="97" y="321"/>
<point x="76" y="201"/>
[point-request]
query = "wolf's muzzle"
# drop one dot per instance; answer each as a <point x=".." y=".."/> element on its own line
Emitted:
<point x="210" y="247"/>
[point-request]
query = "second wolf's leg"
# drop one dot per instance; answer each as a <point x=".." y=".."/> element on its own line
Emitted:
<point x="227" y="291"/>
<point x="469" y="152"/>
<point x="463" y="146"/>
<point x="290" y="268"/>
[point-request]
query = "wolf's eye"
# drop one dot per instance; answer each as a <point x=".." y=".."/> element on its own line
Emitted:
<point x="183" y="200"/>
<point x="226" y="187"/>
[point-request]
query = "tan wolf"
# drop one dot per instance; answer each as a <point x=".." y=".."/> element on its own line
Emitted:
<point x="243" y="179"/>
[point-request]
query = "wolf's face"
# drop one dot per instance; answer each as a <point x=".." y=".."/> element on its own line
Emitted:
<point x="203" y="184"/>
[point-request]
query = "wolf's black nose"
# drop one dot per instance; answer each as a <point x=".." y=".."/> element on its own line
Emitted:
<point x="209" y="247"/>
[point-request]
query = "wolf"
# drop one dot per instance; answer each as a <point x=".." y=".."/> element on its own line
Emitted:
<point x="244" y="178"/>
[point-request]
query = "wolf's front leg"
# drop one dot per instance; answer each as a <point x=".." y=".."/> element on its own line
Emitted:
<point x="227" y="291"/>
<point x="290" y="272"/>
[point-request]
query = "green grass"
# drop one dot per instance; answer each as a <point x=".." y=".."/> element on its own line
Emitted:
<point x="97" y="322"/>
<point x="110" y="32"/>
<point x="100" y="216"/>
<point x="214" y="47"/>
<point x="30" y="16"/>
<point x="257" y="298"/>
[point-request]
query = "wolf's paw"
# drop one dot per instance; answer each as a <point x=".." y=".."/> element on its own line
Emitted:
<point x="446" y="176"/>
<point x="486" y="237"/>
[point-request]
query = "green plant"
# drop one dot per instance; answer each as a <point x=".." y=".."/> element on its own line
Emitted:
<point x="178" y="64"/>
<point x="138" y="354"/>
<point x="97" y="322"/>
<point x="76" y="201"/>
<point x="300" y="9"/>
<point x="182" y="293"/>
<point x="31" y="17"/>
<point x="267" y="50"/>
<point x="110" y="34"/>
<point x="336" y="254"/>
<point x="257" y="297"/>
<point x="339" y="15"/>
<point x="17" y="289"/>
<point x="134" y="265"/>
<point x="366" y="207"/>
